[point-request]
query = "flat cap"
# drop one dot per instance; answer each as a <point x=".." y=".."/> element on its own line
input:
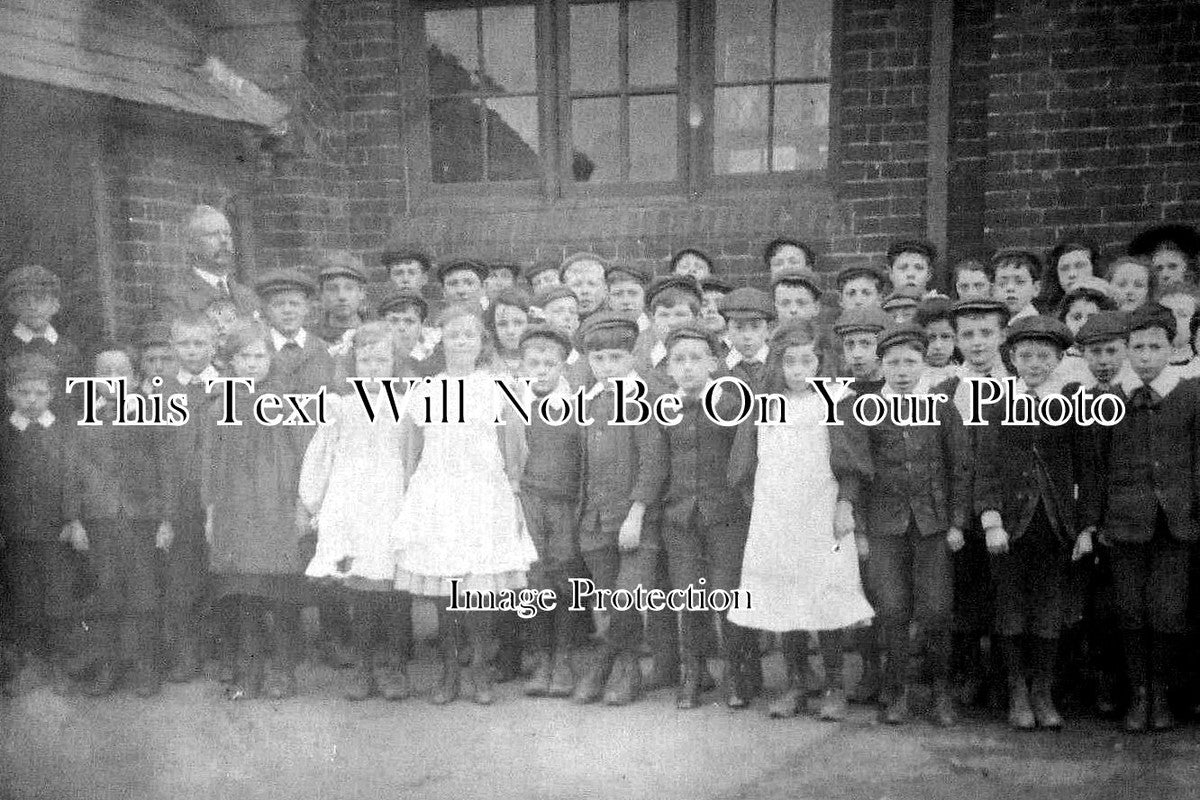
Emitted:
<point x="664" y="282"/>
<point x="638" y="272"/>
<point x="32" y="278"/>
<point x="1010" y="255"/>
<point x="1103" y="327"/>
<point x="342" y="264"/>
<point x="903" y="296"/>
<point x="861" y="320"/>
<point x="575" y="258"/>
<point x="537" y="268"/>
<point x="608" y="329"/>
<point x="898" y="334"/>
<point x="1184" y="237"/>
<point x="459" y="264"/>
<point x="747" y="303"/>
<point x="1041" y="328"/>
<point x="849" y="273"/>
<point x="920" y="246"/>
<point x="715" y="284"/>
<point x="154" y="333"/>
<point x="1153" y="315"/>
<point x="547" y="332"/>
<point x="551" y="293"/>
<point x="282" y="280"/>
<point x="693" y="332"/>
<point x="797" y="277"/>
<point x="395" y="301"/>
<point x="398" y="254"/>
<point x="934" y="308"/>
<point x="981" y="305"/>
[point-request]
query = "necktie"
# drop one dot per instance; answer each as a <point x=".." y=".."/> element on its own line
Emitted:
<point x="1144" y="397"/>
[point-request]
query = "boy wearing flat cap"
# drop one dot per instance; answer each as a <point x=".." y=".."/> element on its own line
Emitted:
<point x="858" y="332"/>
<point x="619" y="482"/>
<point x="672" y="301"/>
<point x="300" y="361"/>
<point x="860" y="286"/>
<point x="343" y="290"/>
<point x="748" y="314"/>
<point x="462" y="282"/>
<point x="901" y="304"/>
<point x="712" y="290"/>
<point x="910" y="263"/>
<point x="541" y="275"/>
<point x="908" y="487"/>
<point x="1035" y="492"/>
<point x="704" y="519"/>
<point x="1152" y="460"/>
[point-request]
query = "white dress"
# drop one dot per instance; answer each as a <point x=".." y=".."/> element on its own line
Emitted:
<point x="352" y="480"/>
<point x="460" y="517"/>
<point x="794" y="579"/>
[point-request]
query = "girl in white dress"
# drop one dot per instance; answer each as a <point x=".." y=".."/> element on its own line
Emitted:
<point x="460" y="516"/>
<point x="800" y="565"/>
<point x="351" y="485"/>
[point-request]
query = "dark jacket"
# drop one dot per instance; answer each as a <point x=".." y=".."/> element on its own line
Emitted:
<point x="187" y="292"/>
<point x="1151" y="461"/>
<point x="181" y="450"/>
<point x="34" y="468"/>
<point x="694" y="457"/>
<point x="1017" y="467"/>
<point x="118" y="471"/>
<point x="553" y="457"/>
<point x="892" y="474"/>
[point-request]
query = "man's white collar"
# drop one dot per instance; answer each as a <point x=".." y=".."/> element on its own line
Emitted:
<point x="211" y="278"/>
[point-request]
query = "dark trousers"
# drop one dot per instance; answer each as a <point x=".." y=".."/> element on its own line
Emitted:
<point x="613" y="569"/>
<point x="553" y="524"/>
<point x="185" y="579"/>
<point x="1151" y="582"/>
<point x="911" y="578"/>
<point x="973" y="599"/>
<point x="40" y="579"/>
<point x="1030" y="581"/>
<point x="258" y="629"/>
<point x="124" y="559"/>
<point x="696" y="551"/>
<point x="381" y="625"/>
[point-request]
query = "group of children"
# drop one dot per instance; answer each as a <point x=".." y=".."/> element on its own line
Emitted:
<point x="924" y="548"/>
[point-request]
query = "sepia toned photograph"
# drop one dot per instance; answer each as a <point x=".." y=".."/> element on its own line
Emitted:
<point x="673" y="399"/>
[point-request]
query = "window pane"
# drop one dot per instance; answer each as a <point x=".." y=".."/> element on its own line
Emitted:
<point x="653" y="44"/>
<point x="508" y="50"/>
<point x="453" y="50"/>
<point x="594" y="47"/>
<point x="801" y="133"/>
<point x="455" y="137"/>
<point x="802" y="38"/>
<point x="740" y="135"/>
<point x="513" y="139"/>
<point x="653" y="132"/>
<point x="594" y="130"/>
<point x="743" y="40"/>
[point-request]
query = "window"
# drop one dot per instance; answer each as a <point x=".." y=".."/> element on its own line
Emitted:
<point x="602" y="94"/>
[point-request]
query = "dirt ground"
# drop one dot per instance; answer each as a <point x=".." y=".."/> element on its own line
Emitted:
<point x="190" y="743"/>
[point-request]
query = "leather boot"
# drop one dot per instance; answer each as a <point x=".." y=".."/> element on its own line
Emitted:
<point x="687" y="696"/>
<point x="562" y="674"/>
<point x="625" y="684"/>
<point x="104" y="677"/>
<point x="737" y="669"/>
<point x="590" y="687"/>
<point x="1164" y="658"/>
<point x="788" y="703"/>
<point x="539" y="683"/>
<point x="1041" y="698"/>
<point x="867" y="643"/>
<point x="896" y="711"/>
<point x="185" y="646"/>
<point x="942" y="711"/>
<point x="362" y="681"/>
<point x="447" y="687"/>
<point x="393" y="683"/>
<point x="481" y="678"/>
<point x="1137" y="714"/>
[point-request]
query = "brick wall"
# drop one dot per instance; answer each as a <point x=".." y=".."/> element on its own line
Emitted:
<point x="1093" y="118"/>
<point x="969" y="87"/>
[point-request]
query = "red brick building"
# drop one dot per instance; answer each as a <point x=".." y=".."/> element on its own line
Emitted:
<point x="532" y="128"/>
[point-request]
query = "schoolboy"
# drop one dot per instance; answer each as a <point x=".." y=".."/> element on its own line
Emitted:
<point x="909" y="487"/>
<point x="933" y="315"/>
<point x="560" y="310"/>
<point x="584" y="274"/>
<point x="858" y="332"/>
<point x="39" y="519"/>
<point x="672" y="301"/>
<point x="691" y="263"/>
<point x="194" y="340"/>
<point x="1104" y="342"/>
<point x="541" y="275"/>
<point x="501" y="275"/>
<point x="31" y="298"/>
<point x="1172" y="249"/>
<point x="1035" y="492"/>
<point x="910" y="263"/>
<point x="549" y="499"/>
<point x="1017" y="279"/>
<point x="704" y="519"/>
<point x="749" y="314"/>
<point x="342" y="284"/>
<point x="408" y="271"/>
<point x="156" y="356"/>
<point x="405" y="313"/>
<point x="711" y="291"/>
<point x="120" y="480"/>
<point x="796" y="294"/>
<point x="901" y="304"/>
<point x="462" y="282"/>
<point x="970" y="279"/>
<point x="860" y="286"/>
<point x="786" y="253"/>
<point x="979" y="325"/>
<point x="618" y="483"/>
<point x="1150" y="516"/>
<point x="627" y="291"/>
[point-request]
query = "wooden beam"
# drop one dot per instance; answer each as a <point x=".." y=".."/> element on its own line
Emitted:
<point x="102" y="209"/>
<point x="941" y="47"/>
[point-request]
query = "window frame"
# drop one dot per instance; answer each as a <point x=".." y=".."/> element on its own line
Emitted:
<point x="696" y="68"/>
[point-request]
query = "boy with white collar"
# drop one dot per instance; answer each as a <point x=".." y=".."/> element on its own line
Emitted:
<point x="748" y="314"/>
<point x="31" y="298"/>
<point x="1152" y="458"/>
<point x="1017" y="278"/>
<point x="38" y="566"/>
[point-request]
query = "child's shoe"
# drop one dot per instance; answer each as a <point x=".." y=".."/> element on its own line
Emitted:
<point x="562" y="675"/>
<point x="833" y="705"/>
<point x="481" y="680"/>
<point x="362" y="682"/>
<point x="280" y="684"/>
<point x="688" y="695"/>
<point x="539" y="684"/>
<point x="393" y="684"/>
<point x="447" y="688"/>
<point x="896" y="711"/>
<point x="625" y="682"/>
<point x="942" y="711"/>
<point x="788" y="703"/>
<point x="590" y="687"/>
